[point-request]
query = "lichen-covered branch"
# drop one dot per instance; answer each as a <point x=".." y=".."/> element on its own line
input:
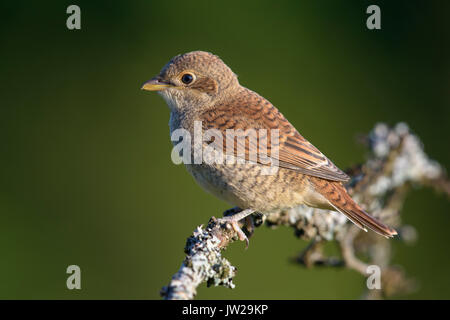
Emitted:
<point x="203" y="262"/>
<point x="396" y="162"/>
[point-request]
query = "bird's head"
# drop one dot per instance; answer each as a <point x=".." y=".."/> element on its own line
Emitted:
<point x="193" y="79"/>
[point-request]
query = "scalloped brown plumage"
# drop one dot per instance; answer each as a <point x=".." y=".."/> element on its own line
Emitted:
<point x="216" y="98"/>
<point x="249" y="110"/>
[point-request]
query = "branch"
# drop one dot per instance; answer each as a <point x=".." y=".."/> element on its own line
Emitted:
<point x="395" y="163"/>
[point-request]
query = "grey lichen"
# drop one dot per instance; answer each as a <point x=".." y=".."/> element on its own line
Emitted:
<point x="203" y="262"/>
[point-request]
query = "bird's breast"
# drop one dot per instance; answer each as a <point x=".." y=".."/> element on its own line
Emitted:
<point x="245" y="186"/>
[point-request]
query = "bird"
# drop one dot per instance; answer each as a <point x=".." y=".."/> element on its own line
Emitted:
<point x="199" y="88"/>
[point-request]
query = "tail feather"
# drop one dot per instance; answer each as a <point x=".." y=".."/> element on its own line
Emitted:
<point x="363" y="220"/>
<point x="339" y="199"/>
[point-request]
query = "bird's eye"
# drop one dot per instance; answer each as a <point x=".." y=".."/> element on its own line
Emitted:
<point x="187" y="78"/>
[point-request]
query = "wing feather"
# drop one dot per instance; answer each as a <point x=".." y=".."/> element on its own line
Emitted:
<point x="250" y="111"/>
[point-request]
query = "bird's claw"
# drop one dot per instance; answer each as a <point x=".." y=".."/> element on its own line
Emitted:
<point x="235" y="225"/>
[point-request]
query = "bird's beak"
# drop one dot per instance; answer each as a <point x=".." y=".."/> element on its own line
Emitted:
<point x="155" y="84"/>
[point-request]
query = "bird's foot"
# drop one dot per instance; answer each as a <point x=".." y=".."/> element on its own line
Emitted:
<point x="233" y="216"/>
<point x="235" y="225"/>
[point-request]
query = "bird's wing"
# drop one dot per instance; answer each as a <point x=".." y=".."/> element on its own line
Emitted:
<point x="251" y="111"/>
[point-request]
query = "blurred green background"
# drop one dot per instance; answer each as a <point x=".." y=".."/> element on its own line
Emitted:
<point x="86" y="176"/>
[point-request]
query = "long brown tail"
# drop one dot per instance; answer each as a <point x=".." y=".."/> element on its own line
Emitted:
<point x="338" y="198"/>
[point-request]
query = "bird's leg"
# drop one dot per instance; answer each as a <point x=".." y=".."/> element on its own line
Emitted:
<point x="233" y="217"/>
<point x="231" y="211"/>
<point x="249" y="225"/>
